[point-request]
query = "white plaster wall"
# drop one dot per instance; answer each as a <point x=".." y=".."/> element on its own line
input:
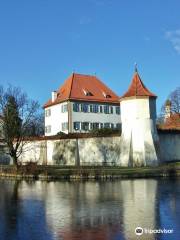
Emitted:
<point x="141" y="108"/>
<point x="56" y="119"/>
<point x="34" y="151"/>
<point x="92" y="151"/>
<point x="139" y="137"/>
<point x="98" y="151"/>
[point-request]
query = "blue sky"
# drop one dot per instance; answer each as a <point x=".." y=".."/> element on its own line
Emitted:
<point x="43" y="41"/>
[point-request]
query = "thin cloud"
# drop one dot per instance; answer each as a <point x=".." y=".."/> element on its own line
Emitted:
<point x="174" y="38"/>
<point x="85" y="21"/>
<point x="147" y="38"/>
<point x="100" y="2"/>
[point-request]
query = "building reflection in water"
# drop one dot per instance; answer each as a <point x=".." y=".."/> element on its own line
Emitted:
<point x="102" y="209"/>
<point x="139" y="207"/>
<point x="86" y="210"/>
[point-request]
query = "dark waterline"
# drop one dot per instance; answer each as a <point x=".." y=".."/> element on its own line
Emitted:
<point x="38" y="210"/>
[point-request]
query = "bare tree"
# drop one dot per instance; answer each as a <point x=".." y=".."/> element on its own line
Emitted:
<point x="18" y="115"/>
<point x="174" y="98"/>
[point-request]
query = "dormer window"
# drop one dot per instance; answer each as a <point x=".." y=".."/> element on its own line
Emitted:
<point x="87" y="93"/>
<point x="106" y="95"/>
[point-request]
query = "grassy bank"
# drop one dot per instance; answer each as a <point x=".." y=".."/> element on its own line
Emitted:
<point x="89" y="172"/>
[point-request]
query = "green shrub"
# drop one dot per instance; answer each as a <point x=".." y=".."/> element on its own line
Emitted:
<point x="105" y="131"/>
<point x="61" y="133"/>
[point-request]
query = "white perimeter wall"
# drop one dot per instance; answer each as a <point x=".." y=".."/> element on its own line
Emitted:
<point x="91" y="151"/>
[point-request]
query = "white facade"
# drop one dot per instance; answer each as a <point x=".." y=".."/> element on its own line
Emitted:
<point x="55" y="118"/>
<point x="139" y="139"/>
<point x="76" y="116"/>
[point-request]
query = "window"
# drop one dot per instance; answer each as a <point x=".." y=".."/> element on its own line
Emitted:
<point x="48" y="129"/>
<point x="76" y="126"/>
<point x="118" y="110"/>
<point x="64" y="108"/>
<point x="107" y="125"/>
<point x="85" y="126"/>
<point x="111" y="108"/>
<point x="81" y="107"/>
<point x="118" y="126"/>
<point x="87" y="93"/>
<point x="91" y="126"/>
<point x="48" y="112"/>
<point x="101" y="125"/>
<point x="106" y="95"/>
<point x="85" y="107"/>
<point x="91" y="108"/>
<point x="95" y="108"/>
<point x="112" y="125"/>
<point x="64" y="126"/>
<point x="76" y="107"/>
<point x="95" y="125"/>
<point x="101" y="109"/>
<point x="106" y="109"/>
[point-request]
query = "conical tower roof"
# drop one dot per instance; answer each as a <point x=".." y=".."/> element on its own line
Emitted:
<point x="137" y="88"/>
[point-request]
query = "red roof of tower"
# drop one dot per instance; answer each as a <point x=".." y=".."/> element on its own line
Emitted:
<point x="137" y="88"/>
<point x="84" y="88"/>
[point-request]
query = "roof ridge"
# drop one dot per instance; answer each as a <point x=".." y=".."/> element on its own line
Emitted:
<point x="72" y="78"/>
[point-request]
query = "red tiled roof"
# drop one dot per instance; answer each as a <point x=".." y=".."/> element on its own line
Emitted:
<point x="76" y="87"/>
<point x="173" y="122"/>
<point x="137" y="88"/>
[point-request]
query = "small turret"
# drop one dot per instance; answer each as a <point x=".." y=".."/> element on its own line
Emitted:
<point x="167" y="109"/>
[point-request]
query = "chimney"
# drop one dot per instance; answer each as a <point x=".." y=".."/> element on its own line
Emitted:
<point x="54" y="96"/>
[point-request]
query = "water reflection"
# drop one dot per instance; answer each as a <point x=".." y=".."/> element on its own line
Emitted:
<point x="88" y="210"/>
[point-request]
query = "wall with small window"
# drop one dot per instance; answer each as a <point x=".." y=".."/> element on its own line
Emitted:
<point x="56" y="119"/>
<point x="83" y="117"/>
<point x="48" y="112"/>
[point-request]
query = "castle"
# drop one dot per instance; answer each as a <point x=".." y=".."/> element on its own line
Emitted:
<point x="84" y="103"/>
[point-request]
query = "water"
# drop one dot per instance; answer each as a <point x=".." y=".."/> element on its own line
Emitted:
<point x="89" y="210"/>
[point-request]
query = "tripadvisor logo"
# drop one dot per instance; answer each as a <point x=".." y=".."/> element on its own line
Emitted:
<point x="139" y="231"/>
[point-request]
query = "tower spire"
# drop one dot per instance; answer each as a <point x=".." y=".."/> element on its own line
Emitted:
<point x="135" y="67"/>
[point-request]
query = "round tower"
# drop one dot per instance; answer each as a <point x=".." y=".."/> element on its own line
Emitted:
<point x="139" y="138"/>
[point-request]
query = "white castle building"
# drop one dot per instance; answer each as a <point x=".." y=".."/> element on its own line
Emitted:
<point x="82" y="103"/>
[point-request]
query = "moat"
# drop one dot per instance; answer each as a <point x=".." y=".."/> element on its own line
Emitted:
<point x="89" y="210"/>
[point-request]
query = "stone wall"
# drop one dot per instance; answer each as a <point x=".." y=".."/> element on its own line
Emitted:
<point x="89" y="150"/>
<point x="169" y="146"/>
<point x="82" y="151"/>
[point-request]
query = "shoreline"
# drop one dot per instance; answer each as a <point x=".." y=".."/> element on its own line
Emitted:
<point x="91" y="172"/>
